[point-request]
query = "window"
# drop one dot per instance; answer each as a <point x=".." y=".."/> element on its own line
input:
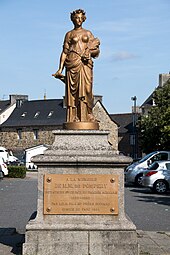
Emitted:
<point x="153" y="166"/>
<point x="23" y="114"/>
<point x="50" y="114"/>
<point x="19" y="103"/>
<point x="36" y="114"/>
<point x="160" y="156"/>
<point x="163" y="156"/>
<point x="168" y="166"/>
<point x="35" y="131"/>
<point x="132" y="139"/>
<point x="19" y="132"/>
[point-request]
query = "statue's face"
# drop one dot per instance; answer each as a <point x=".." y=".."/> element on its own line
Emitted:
<point x="78" y="19"/>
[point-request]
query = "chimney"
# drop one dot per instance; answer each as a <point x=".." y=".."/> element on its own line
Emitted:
<point x="163" y="78"/>
<point x="13" y="98"/>
<point x="97" y="98"/>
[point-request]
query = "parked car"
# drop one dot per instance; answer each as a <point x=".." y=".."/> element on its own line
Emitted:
<point x="3" y="167"/>
<point x="4" y="154"/>
<point x="158" y="180"/>
<point x="134" y="172"/>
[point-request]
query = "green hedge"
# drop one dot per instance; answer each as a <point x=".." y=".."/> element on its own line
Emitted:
<point x="16" y="171"/>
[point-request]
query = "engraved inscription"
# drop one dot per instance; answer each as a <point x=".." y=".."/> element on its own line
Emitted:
<point x="80" y="194"/>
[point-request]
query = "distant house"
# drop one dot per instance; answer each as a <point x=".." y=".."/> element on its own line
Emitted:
<point x="31" y="123"/>
<point x="127" y="134"/>
<point x="125" y="131"/>
<point x="149" y="102"/>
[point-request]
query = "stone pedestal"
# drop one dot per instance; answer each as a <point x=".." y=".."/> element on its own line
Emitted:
<point x="81" y="152"/>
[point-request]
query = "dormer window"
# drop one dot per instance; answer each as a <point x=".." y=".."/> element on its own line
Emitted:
<point x="36" y="114"/>
<point x="50" y="114"/>
<point x="23" y="114"/>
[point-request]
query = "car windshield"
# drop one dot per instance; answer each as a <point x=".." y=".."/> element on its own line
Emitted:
<point x="146" y="157"/>
<point x="153" y="166"/>
<point x="168" y="166"/>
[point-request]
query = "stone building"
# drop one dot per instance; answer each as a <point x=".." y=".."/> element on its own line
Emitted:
<point x="126" y="143"/>
<point x="149" y="102"/>
<point x="31" y="124"/>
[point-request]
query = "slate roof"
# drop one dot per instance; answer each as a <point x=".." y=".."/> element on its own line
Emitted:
<point x="37" y="113"/>
<point x="125" y="122"/>
<point x="3" y="105"/>
<point x="148" y="101"/>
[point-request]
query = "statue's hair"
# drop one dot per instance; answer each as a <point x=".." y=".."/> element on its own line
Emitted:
<point x="72" y="14"/>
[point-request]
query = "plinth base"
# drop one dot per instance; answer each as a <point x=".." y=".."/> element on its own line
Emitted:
<point x="86" y="161"/>
<point x="54" y="242"/>
<point x="81" y="125"/>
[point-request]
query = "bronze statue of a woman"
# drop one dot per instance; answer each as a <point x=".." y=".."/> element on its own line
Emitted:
<point x="79" y="48"/>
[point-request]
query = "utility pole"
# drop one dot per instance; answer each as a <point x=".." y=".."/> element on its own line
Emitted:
<point x="134" y="135"/>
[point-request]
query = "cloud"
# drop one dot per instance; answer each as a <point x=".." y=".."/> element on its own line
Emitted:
<point x="123" y="55"/>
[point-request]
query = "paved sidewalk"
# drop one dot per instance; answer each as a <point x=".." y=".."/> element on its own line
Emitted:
<point x="151" y="243"/>
<point x="10" y="241"/>
<point x="154" y="243"/>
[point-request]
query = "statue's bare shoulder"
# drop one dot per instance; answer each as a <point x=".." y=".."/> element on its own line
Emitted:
<point x="67" y="35"/>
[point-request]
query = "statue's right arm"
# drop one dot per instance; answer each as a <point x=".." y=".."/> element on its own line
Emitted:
<point x="63" y="56"/>
<point x="62" y="60"/>
<point x="58" y="74"/>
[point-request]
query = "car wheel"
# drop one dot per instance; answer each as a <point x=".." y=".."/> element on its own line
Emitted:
<point x="138" y="180"/>
<point x="160" y="187"/>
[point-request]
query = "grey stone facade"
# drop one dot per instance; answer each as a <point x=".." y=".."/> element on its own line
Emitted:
<point x="9" y="138"/>
<point x="106" y="123"/>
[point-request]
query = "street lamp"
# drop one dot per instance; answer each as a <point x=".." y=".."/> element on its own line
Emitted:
<point x="134" y="135"/>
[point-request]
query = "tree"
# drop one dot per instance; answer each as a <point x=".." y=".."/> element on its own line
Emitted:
<point x="155" y="127"/>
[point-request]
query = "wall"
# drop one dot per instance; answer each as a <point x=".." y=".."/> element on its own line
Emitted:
<point x="106" y="123"/>
<point x="9" y="138"/>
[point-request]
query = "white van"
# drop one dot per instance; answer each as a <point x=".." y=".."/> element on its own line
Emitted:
<point x="31" y="152"/>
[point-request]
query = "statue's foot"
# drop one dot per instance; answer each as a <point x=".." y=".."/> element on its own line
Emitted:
<point x="76" y="119"/>
<point x="91" y="118"/>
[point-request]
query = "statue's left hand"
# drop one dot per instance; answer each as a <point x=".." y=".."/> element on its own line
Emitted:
<point x="86" y="55"/>
<point x="58" y="74"/>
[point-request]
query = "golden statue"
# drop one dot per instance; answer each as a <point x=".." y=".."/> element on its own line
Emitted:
<point x="79" y="48"/>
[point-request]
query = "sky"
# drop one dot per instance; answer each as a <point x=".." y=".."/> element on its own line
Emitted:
<point x="135" y="47"/>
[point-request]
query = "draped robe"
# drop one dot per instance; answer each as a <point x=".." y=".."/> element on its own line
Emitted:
<point x="79" y="71"/>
